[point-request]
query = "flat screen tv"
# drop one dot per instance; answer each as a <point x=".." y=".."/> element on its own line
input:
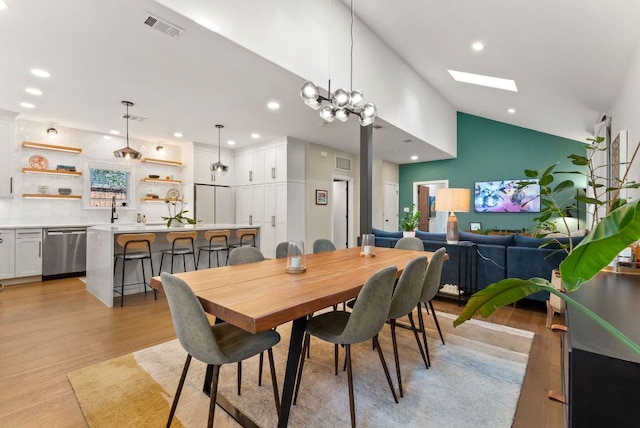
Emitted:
<point x="507" y="196"/>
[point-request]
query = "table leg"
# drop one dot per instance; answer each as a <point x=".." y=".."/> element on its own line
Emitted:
<point x="295" y="347"/>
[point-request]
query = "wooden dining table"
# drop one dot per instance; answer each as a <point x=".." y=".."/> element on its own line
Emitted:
<point x="260" y="296"/>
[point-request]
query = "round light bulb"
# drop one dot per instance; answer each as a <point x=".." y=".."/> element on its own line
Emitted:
<point x="340" y="98"/>
<point x="342" y="115"/>
<point x="357" y="99"/>
<point x="309" y="91"/>
<point x="326" y="112"/>
<point x="369" y="111"/>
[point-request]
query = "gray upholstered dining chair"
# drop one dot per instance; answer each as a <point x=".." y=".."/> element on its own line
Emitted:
<point x="242" y="255"/>
<point x="410" y="243"/>
<point x="282" y="250"/>
<point x="404" y="300"/>
<point x="346" y="328"/>
<point x="321" y="245"/>
<point x="216" y="345"/>
<point x="430" y="288"/>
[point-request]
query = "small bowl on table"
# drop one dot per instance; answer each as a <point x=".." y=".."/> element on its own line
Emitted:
<point x="64" y="191"/>
<point x="154" y="176"/>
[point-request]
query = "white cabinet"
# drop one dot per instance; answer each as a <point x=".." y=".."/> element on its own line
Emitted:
<point x="28" y="252"/>
<point x="249" y="168"/>
<point x="7" y="254"/>
<point x="203" y="159"/>
<point x="7" y="161"/>
<point x="274" y="226"/>
<point x="275" y="161"/>
<point x="249" y="205"/>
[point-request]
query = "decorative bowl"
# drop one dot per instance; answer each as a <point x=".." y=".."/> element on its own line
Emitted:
<point x="64" y="191"/>
<point x="154" y="176"/>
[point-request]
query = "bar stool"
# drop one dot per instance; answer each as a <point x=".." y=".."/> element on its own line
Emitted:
<point x="218" y="241"/>
<point x="182" y="244"/>
<point x="246" y="237"/>
<point x="137" y="246"/>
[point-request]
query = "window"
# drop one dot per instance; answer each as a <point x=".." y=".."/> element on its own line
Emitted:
<point x="109" y="183"/>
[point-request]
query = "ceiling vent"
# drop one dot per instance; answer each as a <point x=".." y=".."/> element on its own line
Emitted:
<point x="343" y="164"/>
<point x="133" y="117"/>
<point x="163" y="26"/>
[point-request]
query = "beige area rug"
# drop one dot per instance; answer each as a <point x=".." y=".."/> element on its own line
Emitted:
<point x="475" y="380"/>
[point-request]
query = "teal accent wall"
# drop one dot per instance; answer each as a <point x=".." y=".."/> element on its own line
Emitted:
<point x="487" y="151"/>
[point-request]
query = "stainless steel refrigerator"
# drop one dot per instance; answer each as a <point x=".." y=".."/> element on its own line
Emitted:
<point x="213" y="204"/>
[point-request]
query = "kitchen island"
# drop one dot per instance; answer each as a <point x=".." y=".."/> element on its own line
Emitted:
<point x="101" y="247"/>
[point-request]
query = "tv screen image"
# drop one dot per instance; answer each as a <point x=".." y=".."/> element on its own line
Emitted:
<point x="507" y="196"/>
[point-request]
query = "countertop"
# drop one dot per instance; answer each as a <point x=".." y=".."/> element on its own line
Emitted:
<point x="137" y="227"/>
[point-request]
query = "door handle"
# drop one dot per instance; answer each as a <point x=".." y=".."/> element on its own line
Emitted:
<point x="250" y="175"/>
<point x="40" y="249"/>
<point x="250" y="219"/>
<point x="1" y="240"/>
<point x="273" y="221"/>
<point x="273" y="172"/>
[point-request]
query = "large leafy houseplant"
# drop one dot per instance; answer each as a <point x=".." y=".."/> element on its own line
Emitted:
<point x="177" y="210"/>
<point x="608" y="236"/>
<point x="411" y="219"/>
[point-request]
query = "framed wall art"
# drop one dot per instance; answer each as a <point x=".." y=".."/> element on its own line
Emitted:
<point x="321" y="197"/>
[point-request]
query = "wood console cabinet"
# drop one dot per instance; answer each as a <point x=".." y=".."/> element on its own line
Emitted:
<point x="603" y="382"/>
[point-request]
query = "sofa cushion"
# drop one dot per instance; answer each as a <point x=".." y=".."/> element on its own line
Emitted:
<point x="553" y="244"/>
<point x="504" y="240"/>
<point x="431" y="236"/>
<point x="384" y="234"/>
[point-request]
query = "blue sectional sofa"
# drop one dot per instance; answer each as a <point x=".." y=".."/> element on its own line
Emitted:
<point x="480" y="260"/>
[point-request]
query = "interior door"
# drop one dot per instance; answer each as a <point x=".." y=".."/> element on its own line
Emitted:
<point x="423" y="207"/>
<point x="390" y="214"/>
<point x="340" y="208"/>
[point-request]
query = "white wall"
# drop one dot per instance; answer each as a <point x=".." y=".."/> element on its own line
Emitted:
<point x="95" y="148"/>
<point x="625" y="115"/>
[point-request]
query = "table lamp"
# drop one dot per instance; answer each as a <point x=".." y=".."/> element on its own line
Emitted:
<point x="452" y="200"/>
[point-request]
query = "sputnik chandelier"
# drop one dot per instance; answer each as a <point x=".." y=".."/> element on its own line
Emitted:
<point x="341" y="103"/>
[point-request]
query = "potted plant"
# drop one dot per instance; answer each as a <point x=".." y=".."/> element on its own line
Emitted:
<point x="410" y="222"/>
<point x="609" y="235"/>
<point x="177" y="210"/>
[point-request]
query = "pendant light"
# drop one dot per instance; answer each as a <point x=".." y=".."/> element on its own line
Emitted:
<point x="219" y="168"/>
<point x="127" y="152"/>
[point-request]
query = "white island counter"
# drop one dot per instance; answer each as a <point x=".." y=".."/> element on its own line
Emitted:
<point x="101" y="246"/>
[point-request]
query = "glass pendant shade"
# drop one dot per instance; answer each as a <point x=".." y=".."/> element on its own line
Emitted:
<point x="218" y="168"/>
<point x="342" y="115"/>
<point x="357" y="99"/>
<point x="309" y="91"/>
<point x="369" y="111"/>
<point x="326" y="112"/>
<point x="340" y="98"/>
<point x="127" y="152"/>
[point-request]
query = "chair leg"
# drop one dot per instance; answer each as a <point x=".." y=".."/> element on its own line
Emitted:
<point x="144" y="279"/>
<point x="424" y="334"/>
<point x="274" y="380"/>
<point x="174" y="405"/>
<point x="213" y="396"/>
<point x="435" y="318"/>
<point x="392" y="323"/>
<point x="386" y="369"/>
<point x="260" y="368"/>
<point x="124" y="266"/>
<point x="161" y="261"/>
<point x="352" y="404"/>
<point x="200" y="252"/>
<point x="239" y="377"/>
<point x="193" y="254"/>
<point x="415" y="334"/>
<point x="305" y="344"/>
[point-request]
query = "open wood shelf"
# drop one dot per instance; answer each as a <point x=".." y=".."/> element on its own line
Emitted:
<point x="147" y="199"/>
<point x="161" y="161"/>
<point x="51" y="171"/>
<point x="46" y="196"/>
<point x="160" y="180"/>
<point x="32" y="145"/>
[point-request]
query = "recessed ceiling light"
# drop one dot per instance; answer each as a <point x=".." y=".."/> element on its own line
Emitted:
<point x="273" y="105"/>
<point x="106" y="137"/>
<point x="511" y="110"/>
<point x="477" y="46"/>
<point x="114" y="132"/>
<point x="33" y="91"/>
<point x="40" y="73"/>
<point x="3" y="5"/>
<point x="255" y="136"/>
<point x="27" y="105"/>
<point x="231" y="143"/>
<point x="479" y="79"/>
<point x="177" y="134"/>
<point x="414" y="157"/>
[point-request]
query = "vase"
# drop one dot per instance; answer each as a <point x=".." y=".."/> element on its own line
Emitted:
<point x="175" y="224"/>
<point x="409" y="234"/>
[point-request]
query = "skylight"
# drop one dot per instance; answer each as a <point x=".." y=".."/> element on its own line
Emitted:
<point x="479" y="79"/>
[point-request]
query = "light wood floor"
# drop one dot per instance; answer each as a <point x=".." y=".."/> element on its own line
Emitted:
<point x="49" y="329"/>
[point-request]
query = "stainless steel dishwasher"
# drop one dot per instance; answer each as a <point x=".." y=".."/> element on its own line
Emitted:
<point x="64" y="252"/>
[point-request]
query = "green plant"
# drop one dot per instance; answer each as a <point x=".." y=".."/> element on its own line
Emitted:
<point x="612" y="233"/>
<point x="411" y="219"/>
<point x="177" y="212"/>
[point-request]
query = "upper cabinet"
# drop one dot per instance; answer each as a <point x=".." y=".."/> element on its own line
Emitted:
<point x="275" y="160"/>
<point x="203" y="158"/>
<point x="7" y="126"/>
<point x="261" y="166"/>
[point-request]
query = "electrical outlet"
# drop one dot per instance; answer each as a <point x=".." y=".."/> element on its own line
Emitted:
<point x="406" y="209"/>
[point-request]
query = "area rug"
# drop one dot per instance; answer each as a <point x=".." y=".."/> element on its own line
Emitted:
<point x="475" y="380"/>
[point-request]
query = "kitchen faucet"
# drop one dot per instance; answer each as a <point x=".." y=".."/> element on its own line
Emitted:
<point x="114" y="215"/>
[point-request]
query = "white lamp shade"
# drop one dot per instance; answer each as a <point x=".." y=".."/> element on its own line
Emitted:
<point x="453" y="200"/>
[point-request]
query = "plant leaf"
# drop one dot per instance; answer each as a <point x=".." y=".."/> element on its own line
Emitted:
<point x="614" y="233"/>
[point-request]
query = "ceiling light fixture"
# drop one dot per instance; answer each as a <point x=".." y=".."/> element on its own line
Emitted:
<point x="27" y="105"/>
<point x="159" y="148"/>
<point x="477" y="46"/>
<point x="40" y="73"/>
<point x="479" y="79"/>
<point x="52" y="132"/>
<point x="219" y="168"/>
<point x="33" y="91"/>
<point x="177" y="134"/>
<point x="273" y="105"/>
<point x="127" y="152"/>
<point x="339" y="104"/>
